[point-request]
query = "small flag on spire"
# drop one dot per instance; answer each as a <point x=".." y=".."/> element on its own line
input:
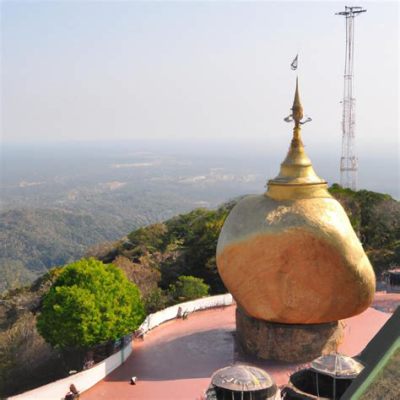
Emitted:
<point x="293" y="65"/>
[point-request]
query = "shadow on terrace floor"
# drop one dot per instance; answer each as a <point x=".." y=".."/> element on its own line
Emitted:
<point x="196" y="355"/>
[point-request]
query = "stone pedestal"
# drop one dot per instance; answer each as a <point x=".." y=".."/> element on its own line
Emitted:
<point x="286" y="342"/>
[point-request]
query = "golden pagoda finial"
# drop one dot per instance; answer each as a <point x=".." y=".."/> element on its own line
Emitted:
<point x="297" y="177"/>
<point x="297" y="116"/>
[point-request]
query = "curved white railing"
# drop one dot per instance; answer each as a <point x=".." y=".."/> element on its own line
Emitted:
<point x="82" y="380"/>
<point x="88" y="378"/>
<point x="153" y="320"/>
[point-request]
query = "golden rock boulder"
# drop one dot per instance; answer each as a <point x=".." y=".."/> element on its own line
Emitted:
<point x="291" y="255"/>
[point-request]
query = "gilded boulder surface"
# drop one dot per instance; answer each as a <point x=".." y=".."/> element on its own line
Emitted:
<point x="294" y="261"/>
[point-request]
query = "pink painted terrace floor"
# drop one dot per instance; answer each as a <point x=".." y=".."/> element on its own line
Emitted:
<point x="176" y="360"/>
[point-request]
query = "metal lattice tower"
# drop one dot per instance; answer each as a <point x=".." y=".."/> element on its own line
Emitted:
<point x="349" y="161"/>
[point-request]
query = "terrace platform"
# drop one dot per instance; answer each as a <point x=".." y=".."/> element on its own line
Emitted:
<point x="176" y="360"/>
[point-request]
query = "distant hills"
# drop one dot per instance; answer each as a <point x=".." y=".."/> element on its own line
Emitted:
<point x="33" y="240"/>
<point x="55" y="203"/>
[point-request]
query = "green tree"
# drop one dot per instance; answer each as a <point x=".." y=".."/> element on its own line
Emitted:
<point x="188" y="288"/>
<point x="89" y="303"/>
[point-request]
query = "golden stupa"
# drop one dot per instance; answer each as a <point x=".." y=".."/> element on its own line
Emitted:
<point x="291" y="256"/>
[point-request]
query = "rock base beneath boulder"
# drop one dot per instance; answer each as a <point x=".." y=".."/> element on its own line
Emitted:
<point x="286" y="342"/>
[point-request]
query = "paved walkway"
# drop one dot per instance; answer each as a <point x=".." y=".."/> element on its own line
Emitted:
<point x="386" y="302"/>
<point x="176" y="360"/>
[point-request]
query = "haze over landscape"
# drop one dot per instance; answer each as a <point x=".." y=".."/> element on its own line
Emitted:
<point x="195" y="76"/>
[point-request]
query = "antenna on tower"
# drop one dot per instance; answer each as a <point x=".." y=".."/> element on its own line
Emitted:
<point x="348" y="160"/>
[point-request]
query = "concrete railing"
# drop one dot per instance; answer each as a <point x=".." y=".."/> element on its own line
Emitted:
<point x="88" y="378"/>
<point x="153" y="320"/>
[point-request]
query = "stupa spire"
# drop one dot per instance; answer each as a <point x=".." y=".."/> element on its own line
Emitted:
<point x="297" y="177"/>
<point x="297" y="109"/>
<point x="297" y="116"/>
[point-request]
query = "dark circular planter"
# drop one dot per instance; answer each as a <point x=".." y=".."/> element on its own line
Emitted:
<point x="308" y="384"/>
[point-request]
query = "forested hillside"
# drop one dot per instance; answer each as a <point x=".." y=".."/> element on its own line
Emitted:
<point x="183" y="245"/>
<point x="376" y="219"/>
<point x="32" y="241"/>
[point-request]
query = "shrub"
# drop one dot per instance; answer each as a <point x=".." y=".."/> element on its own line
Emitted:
<point x="188" y="288"/>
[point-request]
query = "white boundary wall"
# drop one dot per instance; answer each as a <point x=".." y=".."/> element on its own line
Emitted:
<point x="169" y="313"/>
<point x="82" y="380"/>
<point x="88" y="378"/>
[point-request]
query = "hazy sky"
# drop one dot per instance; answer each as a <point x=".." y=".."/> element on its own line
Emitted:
<point x="84" y="70"/>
